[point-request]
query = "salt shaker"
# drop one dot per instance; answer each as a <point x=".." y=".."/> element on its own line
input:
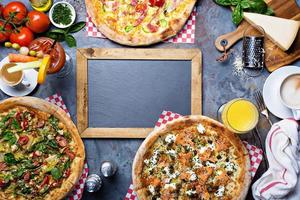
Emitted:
<point x="108" y="168"/>
<point x="93" y="183"/>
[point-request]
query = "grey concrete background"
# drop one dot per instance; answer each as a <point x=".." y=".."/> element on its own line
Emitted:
<point x="219" y="86"/>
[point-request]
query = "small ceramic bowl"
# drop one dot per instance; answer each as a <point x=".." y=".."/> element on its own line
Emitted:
<point x="72" y="12"/>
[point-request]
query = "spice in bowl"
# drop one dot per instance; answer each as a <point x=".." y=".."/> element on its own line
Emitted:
<point x="62" y="14"/>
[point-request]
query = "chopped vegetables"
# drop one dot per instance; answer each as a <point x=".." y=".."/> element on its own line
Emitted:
<point x="20" y="58"/>
<point x="62" y="14"/>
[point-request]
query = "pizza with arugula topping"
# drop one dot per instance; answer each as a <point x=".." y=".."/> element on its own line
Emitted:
<point x="139" y="22"/>
<point x="41" y="152"/>
<point x="193" y="157"/>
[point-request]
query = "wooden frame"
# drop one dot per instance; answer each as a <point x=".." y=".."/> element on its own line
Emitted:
<point x="83" y="55"/>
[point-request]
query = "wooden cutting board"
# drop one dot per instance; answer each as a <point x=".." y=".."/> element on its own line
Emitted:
<point x="275" y="57"/>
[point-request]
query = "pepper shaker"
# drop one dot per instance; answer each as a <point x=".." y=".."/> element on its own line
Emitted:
<point x="108" y="168"/>
<point x="93" y="183"/>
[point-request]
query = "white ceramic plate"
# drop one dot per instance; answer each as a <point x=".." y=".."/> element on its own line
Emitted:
<point x="29" y="76"/>
<point x="271" y="91"/>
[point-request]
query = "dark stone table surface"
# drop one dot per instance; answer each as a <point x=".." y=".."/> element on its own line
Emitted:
<point x="219" y="86"/>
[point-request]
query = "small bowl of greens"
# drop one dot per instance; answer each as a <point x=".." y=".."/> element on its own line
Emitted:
<point x="62" y="14"/>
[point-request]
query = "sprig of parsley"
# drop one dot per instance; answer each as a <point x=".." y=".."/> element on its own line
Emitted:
<point x="256" y="6"/>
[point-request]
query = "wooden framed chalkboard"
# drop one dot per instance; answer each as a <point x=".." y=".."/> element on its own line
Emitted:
<point x="85" y="56"/>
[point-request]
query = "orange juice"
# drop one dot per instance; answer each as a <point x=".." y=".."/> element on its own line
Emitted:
<point x="240" y="115"/>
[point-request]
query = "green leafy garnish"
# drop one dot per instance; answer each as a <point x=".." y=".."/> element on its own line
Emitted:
<point x="53" y="144"/>
<point x="256" y="6"/>
<point x="67" y="165"/>
<point x="128" y="28"/>
<point x="56" y="173"/>
<point x="62" y="14"/>
<point x="9" y="137"/>
<point x="61" y="35"/>
<point x="54" y="122"/>
<point x="9" y="158"/>
<point x="15" y="124"/>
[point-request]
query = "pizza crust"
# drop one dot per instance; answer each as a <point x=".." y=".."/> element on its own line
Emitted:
<point x="139" y="38"/>
<point x="78" y="162"/>
<point x="137" y="167"/>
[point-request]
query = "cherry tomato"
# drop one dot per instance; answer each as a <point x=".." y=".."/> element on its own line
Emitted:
<point x="141" y="7"/>
<point x="23" y="140"/>
<point x="38" y="21"/>
<point x="5" y="31"/>
<point x="23" y="36"/>
<point x="16" y="8"/>
<point x="158" y="3"/>
<point x="62" y="142"/>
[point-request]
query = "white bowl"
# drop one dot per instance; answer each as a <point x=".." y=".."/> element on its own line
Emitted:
<point x="72" y="12"/>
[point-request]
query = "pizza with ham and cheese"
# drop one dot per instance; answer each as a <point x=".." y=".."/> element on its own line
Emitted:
<point x="139" y="22"/>
<point x="193" y="157"/>
<point x="41" y="152"/>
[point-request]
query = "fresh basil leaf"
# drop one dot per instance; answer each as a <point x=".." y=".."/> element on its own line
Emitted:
<point x="20" y="172"/>
<point x="53" y="144"/>
<point x="56" y="36"/>
<point x="9" y="137"/>
<point x="71" y="41"/>
<point x="235" y="2"/>
<point x="245" y="4"/>
<point x="223" y="2"/>
<point x="76" y="27"/>
<point x="9" y="158"/>
<point x="67" y="165"/>
<point x="237" y="15"/>
<point x="258" y="6"/>
<point x="15" y="124"/>
<point x="56" y="173"/>
<point x="269" y="11"/>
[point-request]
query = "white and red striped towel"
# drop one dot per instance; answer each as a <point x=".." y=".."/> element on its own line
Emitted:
<point x="282" y="149"/>
<point x="255" y="153"/>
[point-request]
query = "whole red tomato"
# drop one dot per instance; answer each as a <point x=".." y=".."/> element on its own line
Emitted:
<point x="38" y="21"/>
<point x="23" y="36"/>
<point x="5" y="31"/>
<point x="16" y="8"/>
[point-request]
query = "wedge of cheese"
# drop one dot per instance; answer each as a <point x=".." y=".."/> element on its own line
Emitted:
<point x="281" y="31"/>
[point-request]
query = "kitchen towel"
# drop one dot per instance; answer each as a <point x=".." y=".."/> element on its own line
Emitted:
<point x="76" y="194"/>
<point x="167" y="116"/>
<point x="282" y="149"/>
<point x="186" y="35"/>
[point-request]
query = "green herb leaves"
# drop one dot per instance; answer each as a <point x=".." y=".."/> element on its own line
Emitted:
<point x="9" y="137"/>
<point x="256" y="6"/>
<point x="9" y="158"/>
<point x="62" y="14"/>
<point x="56" y="173"/>
<point x="61" y="35"/>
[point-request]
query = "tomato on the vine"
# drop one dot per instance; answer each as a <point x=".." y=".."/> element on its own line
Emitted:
<point x="16" y="9"/>
<point x="4" y="31"/>
<point x="22" y="36"/>
<point x="38" y="21"/>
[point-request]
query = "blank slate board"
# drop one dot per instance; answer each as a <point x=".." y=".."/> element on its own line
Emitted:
<point x="121" y="92"/>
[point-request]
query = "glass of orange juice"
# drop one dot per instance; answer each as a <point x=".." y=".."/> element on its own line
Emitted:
<point x="239" y="115"/>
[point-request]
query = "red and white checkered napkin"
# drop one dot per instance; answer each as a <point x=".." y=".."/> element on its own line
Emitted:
<point x="76" y="194"/>
<point x="186" y="35"/>
<point x="167" y="116"/>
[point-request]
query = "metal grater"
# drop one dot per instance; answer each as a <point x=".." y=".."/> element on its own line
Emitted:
<point x="253" y="52"/>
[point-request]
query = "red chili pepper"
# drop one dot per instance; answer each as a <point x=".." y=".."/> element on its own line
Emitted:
<point x="23" y="140"/>
<point x="45" y="181"/>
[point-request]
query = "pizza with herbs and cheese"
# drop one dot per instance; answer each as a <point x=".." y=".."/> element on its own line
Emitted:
<point x="41" y="152"/>
<point x="193" y="157"/>
<point x="139" y="22"/>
